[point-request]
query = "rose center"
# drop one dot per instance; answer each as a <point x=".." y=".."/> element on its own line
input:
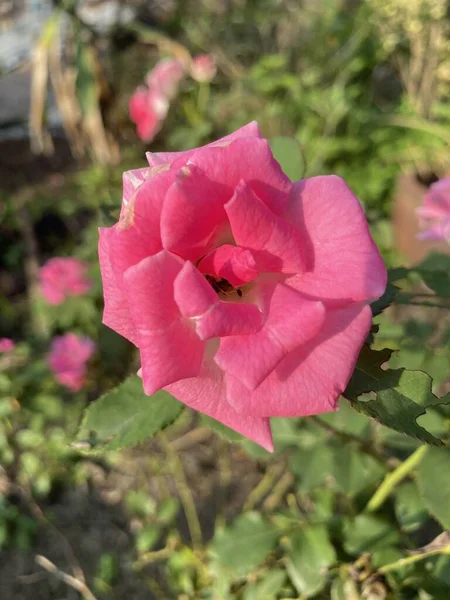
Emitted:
<point x="223" y="287"/>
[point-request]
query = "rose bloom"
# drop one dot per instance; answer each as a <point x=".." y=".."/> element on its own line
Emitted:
<point x="434" y="214"/>
<point x="63" y="277"/>
<point x="6" y="345"/>
<point x="67" y="359"/>
<point x="246" y="294"/>
<point x="203" y="68"/>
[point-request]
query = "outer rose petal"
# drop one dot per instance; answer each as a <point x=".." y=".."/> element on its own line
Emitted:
<point x="169" y="347"/>
<point x="132" y="180"/>
<point x="275" y="244"/>
<point x="137" y="234"/>
<point x="213" y="318"/>
<point x="309" y="380"/>
<point x="192" y="213"/>
<point x="206" y="393"/>
<point x="292" y="321"/>
<point x="163" y="158"/>
<point x="116" y="313"/>
<point x="250" y="160"/>
<point x="342" y="262"/>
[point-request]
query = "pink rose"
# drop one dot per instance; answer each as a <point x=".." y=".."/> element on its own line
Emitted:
<point x="203" y="68"/>
<point x="6" y="345"/>
<point x="434" y="215"/>
<point x="67" y="359"/>
<point x="246" y="294"/>
<point x="63" y="277"/>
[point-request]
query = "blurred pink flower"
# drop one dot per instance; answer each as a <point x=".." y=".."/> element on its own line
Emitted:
<point x="63" y="277"/>
<point x="6" y="345"/>
<point x="149" y="105"/>
<point x="148" y="111"/>
<point x="67" y="359"/>
<point x="203" y="68"/>
<point x="434" y="214"/>
<point x="165" y="77"/>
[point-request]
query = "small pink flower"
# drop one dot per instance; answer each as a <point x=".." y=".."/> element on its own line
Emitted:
<point x="149" y="105"/>
<point x="63" y="277"/>
<point x="67" y="359"/>
<point x="148" y="110"/>
<point x="247" y="294"/>
<point x="165" y="77"/>
<point x="434" y="215"/>
<point x="203" y="68"/>
<point x="6" y="345"/>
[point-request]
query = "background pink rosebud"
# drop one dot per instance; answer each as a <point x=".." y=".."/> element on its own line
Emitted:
<point x="6" y="345"/>
<point x="165" y="77"/>
<point x="148" y="106"/>
<point x="148" y="110"/>
<point x="63" y="277"/>
<point x="434" y="214"/>
<point x="203" y="68"/>
<point x="67" y="359"/>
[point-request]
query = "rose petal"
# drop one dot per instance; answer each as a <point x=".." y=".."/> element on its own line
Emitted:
<point x="132" y="180"/>
<point x="192" y="213"/>
<point x="206" y="393"/>
<point x="250" y="160"/>
<point x="162" y="158"/>
<point x="342" y="262"/>
<point x="309" y="380"/>
<point x="197" y="300"/>
<point x="275" y="244"/>
<point x="116" y="313"/>
<point x="292" y="321"/>
<point x="169" y="347"/>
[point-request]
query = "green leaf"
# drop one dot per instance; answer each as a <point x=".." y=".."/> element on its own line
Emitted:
<point x="367" y="533"/>
<point x="287" y="151"/>
<point x="343" y="589"/>
<point x="267" y="588"/>
<point x="400" y="395"/>
<point x="435" y="271"/>
<point x="126" y="416"/>
<point x="244" y="544"/>
<point x="433" y="479"/>
<point x="311" y="554"/>
<point x="386" y="299"/>
<point x="354" y="471"/>
<point x="409" y="507"/>
<point x="347" y="420"/>
<point x="311" y="467"/>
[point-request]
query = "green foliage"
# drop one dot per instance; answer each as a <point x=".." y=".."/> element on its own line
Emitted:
<point x="287" y="151"/>
<point x="311" y="554"/>
<point x="400" y="396"/>
<point x="244" y="545"/>
<point x="433" y="478"/>
<point x="126" y="416"/>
